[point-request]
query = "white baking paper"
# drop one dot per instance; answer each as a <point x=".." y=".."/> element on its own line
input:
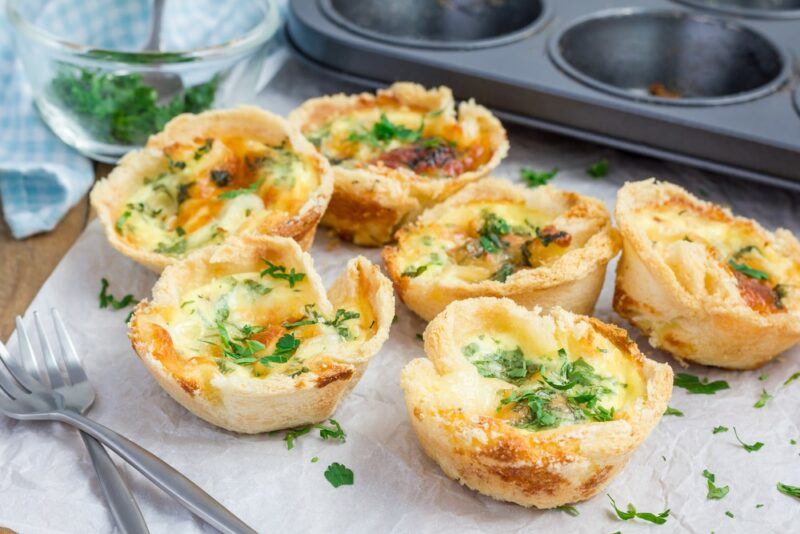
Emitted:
<point x="47" y="483"/>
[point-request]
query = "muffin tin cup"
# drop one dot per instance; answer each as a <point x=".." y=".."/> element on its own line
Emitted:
<point x="445" y="24"/>
<point x="767" y="9"/>
<point x="693" y="60"/>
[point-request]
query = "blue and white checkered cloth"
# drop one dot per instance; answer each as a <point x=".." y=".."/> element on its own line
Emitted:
<point x="41" y="178"/>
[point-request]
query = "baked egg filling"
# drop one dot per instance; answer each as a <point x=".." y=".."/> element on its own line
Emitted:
<point x="541" y="387"/>
<point x="427" y="143"/>
<point x="214" y="188"/>
<point x="766" y="279"/>
<point x="482" y="240"/>
<point x="258" y="324"/>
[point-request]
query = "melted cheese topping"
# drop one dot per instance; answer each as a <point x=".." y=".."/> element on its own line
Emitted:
<point x="593" y="380"/>
<point x="451" y="248"/>
<point x="767" y="279"/>
<point x="259" y="315"/>
<point x="398" y="136"/>
<point x="212" y="189"/>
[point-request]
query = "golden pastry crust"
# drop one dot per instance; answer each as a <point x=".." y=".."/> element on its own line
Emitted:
<point x="371" y="200"/>
<point x="111" y="196"/>
<point x="292" y="393"/>
<point x="572" y="280"/>
<point x="681" y="278"/>
<point x="458" y="426"/>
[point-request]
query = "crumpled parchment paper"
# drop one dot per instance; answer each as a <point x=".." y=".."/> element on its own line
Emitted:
<point x="47" y="483"/>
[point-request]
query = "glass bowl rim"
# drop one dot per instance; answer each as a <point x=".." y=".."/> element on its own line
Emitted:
<point x="256" y="36"/>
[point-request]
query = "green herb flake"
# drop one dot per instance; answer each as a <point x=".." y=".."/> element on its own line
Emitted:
<point x="121" y="221"/>
<point x="714" y="492"/>
<point x="293" y="434"/>
<point x="792" y="378"/>
<point x="729" y="513"/>
<point x="673" y="411"/>
<point x="697" y="386"/>
<point x="749" y="448"/>
<point x="719" y="429"/>
<point x="284" y="349"/>
<point x="536" y="178"/>
<point x="221" y="178"/>
<point x="315" y="459"/>
<point x="791" y="491"/>
<point x="569" y="510"/>
<point x="748" y="271"/>
<point x="339" y="475"/>
<point x="203" y="149"/>
<point x="280" y="272"/>
<point x="108" y="300"/>
<point x="598" y="169"/>
<point x="233" y="193"/>
<point x="631" y="513"/>
<point x="762" y="400"/>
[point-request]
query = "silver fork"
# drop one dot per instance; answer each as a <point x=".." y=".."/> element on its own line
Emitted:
<point x="30" y="399"/>
<point x="124" y="509"/>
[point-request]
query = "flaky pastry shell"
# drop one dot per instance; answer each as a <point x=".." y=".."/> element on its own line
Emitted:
<point x="236" y="400"/>
<point x="452" y="410"/>
<point x="369" y="203"/>
<point x="685" y="296"/>
<point x="573" y="281"/>
<point x="110" y="195"/>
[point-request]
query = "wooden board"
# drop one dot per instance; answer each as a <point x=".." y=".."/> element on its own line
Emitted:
<point x="26" y="264"/>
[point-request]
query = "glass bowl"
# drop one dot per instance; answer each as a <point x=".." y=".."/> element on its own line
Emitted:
<point x="101" y="93"/>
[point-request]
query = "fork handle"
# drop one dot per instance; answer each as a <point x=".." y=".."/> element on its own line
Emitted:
<point x="160" y="473"/>
<point x="124" y="509"/>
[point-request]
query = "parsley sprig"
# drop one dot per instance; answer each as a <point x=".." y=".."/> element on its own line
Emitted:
<point x="747" y="270"/>
<point x="334" y="431"/>
<point x="107" y="300"/>
<point x="791" y="491"/>
<point x="339" y="475"/>
<point x="536" y="178"/>
<point x="312" y="317"/>
<point x="630" y="513"/>
<point x="748" y="447"/>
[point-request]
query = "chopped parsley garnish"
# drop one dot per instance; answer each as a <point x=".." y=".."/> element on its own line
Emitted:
<point x="569" y="510"/>
<point x="508" y="365"/>
<point x="257" y="287"/>
<point x="221" y="178"/>
<point x="749" y="448"/>
<point x="792" y="378"/>
<point x="122" y="108"/>
<point x="280" y="272"/>
<point x="339" y="475"/>
<point x="178" y="247"/>
<point x="502" y="274"/>
<point x="714" y="492"/>
<point x="673" y="411"/>
<point x="121" y="220"/>
<point x="719" y="429"/>
<point x="335" y="431"/>
<point x="729" y="513"/>
<point x="238" y="348"/>
<point x="413" y="272"/>
<point x="763" y="376"/>
<point x="490" y="234"/>
<point x="315" y="459"/>
<point x="791" y="491"/>
<point x="284" y="349"/>
<point x="183" y="193"/>
<point x="385" y="130"/>
<point x="203" y="149"/>
<point x="109" y="301"/>
<point x="233" y="193"/>
<point x="598" y="169"/>
<point x="698" y="386"/>
<point x="536" y="178"/>
<point x="174" y="165"/>
<point x="312" y="316"/>
<point x="748" y="271"/>
<point x="762" y="400"/>
<point x="631" y="513"/>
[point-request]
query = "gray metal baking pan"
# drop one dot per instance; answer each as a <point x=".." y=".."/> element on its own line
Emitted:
<point x="710" y="83"/>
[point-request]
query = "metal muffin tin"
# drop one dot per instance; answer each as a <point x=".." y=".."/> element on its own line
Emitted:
<point x="710" y="83"/>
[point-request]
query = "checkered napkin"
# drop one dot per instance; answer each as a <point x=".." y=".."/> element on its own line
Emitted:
<point x="41" y="178"/>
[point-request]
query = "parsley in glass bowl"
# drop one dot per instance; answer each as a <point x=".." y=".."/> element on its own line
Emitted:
<point x="97" y="88"/>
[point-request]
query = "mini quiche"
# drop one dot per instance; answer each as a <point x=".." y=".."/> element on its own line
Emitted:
<point x="703" y="284"/>
<point x="397" y="152"/>
<point x="244" y="336"/>
<point x="539" y="410"/>
<point x="208" y="176"/>
<point x="539" y="247"/>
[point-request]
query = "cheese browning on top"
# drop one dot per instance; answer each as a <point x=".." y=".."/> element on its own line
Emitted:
<point x="214" y="188"/>
<point x="259" y="324"/>
<point x="582" y="383"/>
<point x="483" y="240"/>
<point x="766" y="279"/>
<point x="389" y="134"/>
